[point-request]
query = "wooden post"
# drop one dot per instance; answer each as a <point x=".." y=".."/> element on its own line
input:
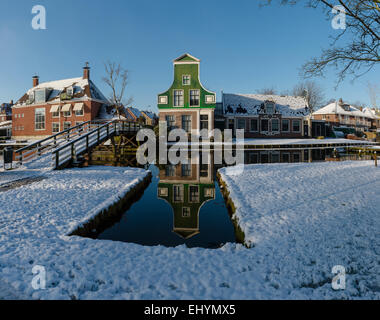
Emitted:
<point x="375" y="156"/>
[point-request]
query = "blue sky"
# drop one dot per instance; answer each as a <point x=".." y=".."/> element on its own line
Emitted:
<point x="243" y="47"/>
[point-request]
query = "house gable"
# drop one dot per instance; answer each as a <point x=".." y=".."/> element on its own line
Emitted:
<point x="187" y="67"/>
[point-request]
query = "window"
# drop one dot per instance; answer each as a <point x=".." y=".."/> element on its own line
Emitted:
<point x="270" y="108"/>
<point x="194" y="98"/>
<point x="275" y="157"/>
<point x="170" y="121"/>
<point x="186" y="123"/>
<point x="66" y="125"/>
<point x="210" y="99"/>
<point x="186" y="80"/>
<point x="40" y="95"/>
<point x="178" y="193"/>
<point x="204" y="122"/>
<point x="254" y="125"/>
<point x="55" y="114"/>
<point x="55" y="127"/>
<point x="162" y="100"/>
<point x="296" y="126"/>
<point x="264" y="125"/>
<point x="275" y="125"/>
<point x="186" y="212"/>
<point x="163" y="192"/>
<point x="79" y="113"/>
<point x="285" y="125"/>
<point x="209" y="193"/>
<point x="241" y="124"/>
<point x="70" y="91"/>
<point x="194" y="193"/>
<point x="178" y="98"/>
<point x="67" y="114"/>
<point x="286" y="157"/>
<point x="39" y="119"/>
<point x="170" y="171"/>
<point x="186" y="170"/>
<point x="296" y="157"/>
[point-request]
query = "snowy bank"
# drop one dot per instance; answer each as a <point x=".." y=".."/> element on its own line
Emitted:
<point x="301" y="228"/>
<point x="303" y="219"/>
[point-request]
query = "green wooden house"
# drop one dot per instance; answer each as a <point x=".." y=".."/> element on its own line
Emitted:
<point x="187" y="104"/>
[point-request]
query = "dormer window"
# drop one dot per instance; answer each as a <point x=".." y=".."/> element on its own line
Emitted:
<point x="70" y="91"/>
<point x="186" y="80"/>
<point x="40" y="96"/>
<point x="31" y="97"/>
<point x="269" y="107"/>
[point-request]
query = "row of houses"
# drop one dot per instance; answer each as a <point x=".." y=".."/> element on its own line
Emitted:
<point x="188" y="105"/>
<point x="51" y="107"/>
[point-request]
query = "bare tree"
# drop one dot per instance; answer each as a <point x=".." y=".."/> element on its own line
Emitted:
<point x="117" y="79"/>
<point x="267" y="91"/>
<point x="312" y="92"/>
<point x="373" y="92"/>
<point x="358" y="52"/>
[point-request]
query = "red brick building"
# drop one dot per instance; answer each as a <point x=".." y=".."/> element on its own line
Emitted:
<point x="51" y="107"/>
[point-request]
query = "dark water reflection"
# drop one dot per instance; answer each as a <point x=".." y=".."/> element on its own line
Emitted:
<point x="184" y="205"/>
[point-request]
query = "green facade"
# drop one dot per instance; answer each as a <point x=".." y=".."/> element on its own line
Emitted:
<point x="187" y="65"/>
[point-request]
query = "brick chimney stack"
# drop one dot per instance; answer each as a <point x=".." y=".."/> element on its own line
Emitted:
<point x="86" y="72"/>
<point x="36" y="81"/>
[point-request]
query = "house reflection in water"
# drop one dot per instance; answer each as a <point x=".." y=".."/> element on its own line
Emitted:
<point x="186" y="187"/>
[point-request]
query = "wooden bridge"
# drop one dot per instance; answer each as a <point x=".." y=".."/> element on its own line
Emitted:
<point x="66" y="146"/>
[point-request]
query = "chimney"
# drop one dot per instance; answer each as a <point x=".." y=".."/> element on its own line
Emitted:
<point x="86" y="72"/>
<point x="341" y="102"/>
<point x="11" y="102"/>
<point x="36" y="81"/>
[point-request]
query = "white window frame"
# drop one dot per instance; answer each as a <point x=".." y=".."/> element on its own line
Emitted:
<point x="183" y="98"/>
<point x="79" y="115"/>
<point x="299" y="121"/>
<point x="162" y="99"/>
<point x="274" y="107"/>
<point x="199" y="98"/>
<point x="250" y="124"/>
<point x="35" y="119"/>
<point x="212" y="96"/>
<point x="245" y="124"/>
<point x="199" y="191"/>
<point x="271" y="125"/>
<point x="52" y="127"/>
<point x="188" y="214"/>
<point x="65" y="123"/>
<point x="282" y="129"/>
<point x="183" y="79"/>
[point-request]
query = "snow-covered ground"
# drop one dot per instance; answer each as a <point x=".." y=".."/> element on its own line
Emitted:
<point x="302" y="219"/>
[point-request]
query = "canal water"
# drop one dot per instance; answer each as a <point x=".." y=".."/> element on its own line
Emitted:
<point x="183" y="205"/>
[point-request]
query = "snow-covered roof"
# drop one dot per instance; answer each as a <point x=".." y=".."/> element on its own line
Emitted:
<point x="83" y="88"/>
<point x="253" y="104"/>
<point x="371" y="113"/>
<point x="341" y="109"/>
<point x="6" y="124"/>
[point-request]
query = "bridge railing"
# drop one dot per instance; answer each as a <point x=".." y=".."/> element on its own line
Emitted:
<point x="82" y="144"/>
<point x="36" y="149"/>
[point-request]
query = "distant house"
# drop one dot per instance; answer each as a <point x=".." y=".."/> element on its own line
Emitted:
<point x="133" y="114"/>
<point x="151" y="118"/>
<point x="340" y="114"/>
<point x="187" y="104"/>
<point x="374" y="116"/>
<point x="263" y="116"/>
<point x="51" y="107"/>
<point x="6" y="119"/>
